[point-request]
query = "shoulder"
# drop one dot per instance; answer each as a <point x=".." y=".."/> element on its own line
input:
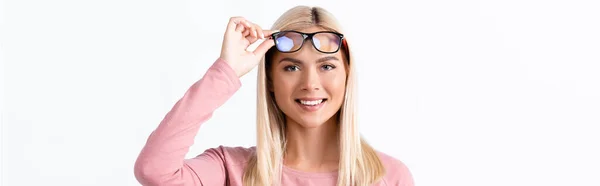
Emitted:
<point x="231" y="155"/>
<point x="397" y="173"/>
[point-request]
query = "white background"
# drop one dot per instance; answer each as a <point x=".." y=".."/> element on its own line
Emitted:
<point x="464" y="92"/>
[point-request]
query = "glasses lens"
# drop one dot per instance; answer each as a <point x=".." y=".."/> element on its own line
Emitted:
<point x="326" y="42"/>
<point x="288" y="41"/>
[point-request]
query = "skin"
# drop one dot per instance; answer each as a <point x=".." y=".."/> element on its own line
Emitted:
<point x="312" y="136"/>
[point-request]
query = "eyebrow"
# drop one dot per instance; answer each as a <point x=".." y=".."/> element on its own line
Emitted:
<point x="320" y="60"/>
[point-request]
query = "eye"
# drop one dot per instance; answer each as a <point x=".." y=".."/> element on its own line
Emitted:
<point x="328" y="67"/>
<point x="291" y="68"/>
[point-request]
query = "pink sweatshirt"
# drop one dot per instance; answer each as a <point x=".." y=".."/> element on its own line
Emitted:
<point x="162" y="160"/>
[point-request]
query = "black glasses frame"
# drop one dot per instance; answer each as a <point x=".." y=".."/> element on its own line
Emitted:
<point x="307" y="36"/>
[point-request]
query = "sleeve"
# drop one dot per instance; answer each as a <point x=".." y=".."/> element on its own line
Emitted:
<point x="161" y="161"/>
<point x="397" y="173"/>
<point x="403" y="175"/>
<point x="408" y="178"/>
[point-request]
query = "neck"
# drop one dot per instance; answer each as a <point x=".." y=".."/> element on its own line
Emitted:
<point x="312" y="149"/>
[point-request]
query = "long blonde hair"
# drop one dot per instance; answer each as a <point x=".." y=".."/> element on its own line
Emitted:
<point x="359" y="163"/>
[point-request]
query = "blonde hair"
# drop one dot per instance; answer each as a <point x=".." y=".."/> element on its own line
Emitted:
<point x="359" y="163"/>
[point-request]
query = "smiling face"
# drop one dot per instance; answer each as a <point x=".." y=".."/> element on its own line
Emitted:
<point x="309" y="85"/>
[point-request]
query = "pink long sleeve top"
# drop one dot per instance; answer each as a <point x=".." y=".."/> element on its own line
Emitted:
<point x="162" y="160"/>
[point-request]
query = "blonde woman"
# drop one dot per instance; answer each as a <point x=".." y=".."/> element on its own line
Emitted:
<point x="306" y="127"/>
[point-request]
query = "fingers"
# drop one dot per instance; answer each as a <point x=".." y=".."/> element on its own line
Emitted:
<point x="251" y="35"/>
<point x="259" y="32"/>
<point x="251" y="32"/>
<point x="262" y="34"/>
<point x="254" y="34"/>
<point x="234" y="22"/>
<point x="264" y="47"/>
<point x="267" y="33"/>
<point x="251" y="39"/>
<point x="240" y="25"/>
<point x="239" y="28"/>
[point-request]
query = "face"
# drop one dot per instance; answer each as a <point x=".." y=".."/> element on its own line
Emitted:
<point x="308" y="85"/>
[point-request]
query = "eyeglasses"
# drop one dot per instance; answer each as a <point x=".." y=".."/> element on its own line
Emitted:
<point x="292" y="41"/>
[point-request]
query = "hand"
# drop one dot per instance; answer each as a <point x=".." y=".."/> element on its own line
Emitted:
<point x="240" y="34"/>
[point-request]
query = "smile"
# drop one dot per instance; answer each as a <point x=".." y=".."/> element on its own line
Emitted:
<point x="311" y="105"/>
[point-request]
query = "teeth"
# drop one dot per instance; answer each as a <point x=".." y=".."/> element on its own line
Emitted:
<point x="316" y="102"/>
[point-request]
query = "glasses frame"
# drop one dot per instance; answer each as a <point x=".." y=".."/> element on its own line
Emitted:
<point x="308" y="36"/>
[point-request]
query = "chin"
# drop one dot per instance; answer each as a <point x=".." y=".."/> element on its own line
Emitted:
<point x="310" y="123"/>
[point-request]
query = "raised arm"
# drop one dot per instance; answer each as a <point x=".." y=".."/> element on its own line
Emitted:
<point x="161" y="161"/>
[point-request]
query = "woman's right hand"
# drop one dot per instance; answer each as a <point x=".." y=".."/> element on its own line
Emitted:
<point x="240" y="34"/>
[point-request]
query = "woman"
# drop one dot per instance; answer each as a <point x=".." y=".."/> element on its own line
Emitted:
<point x="307" y="131"/>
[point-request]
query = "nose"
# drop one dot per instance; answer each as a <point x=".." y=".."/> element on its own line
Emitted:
<point x="311" y="80"/>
